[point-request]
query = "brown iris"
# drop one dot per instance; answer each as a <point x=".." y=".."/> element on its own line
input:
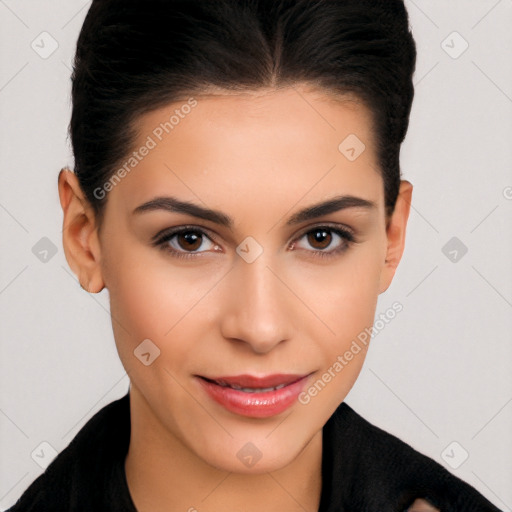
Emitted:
<point x="192" y="240"/>
<point x="320" y="236"/>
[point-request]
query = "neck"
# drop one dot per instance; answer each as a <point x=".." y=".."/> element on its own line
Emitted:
<point x="164" y="475"/>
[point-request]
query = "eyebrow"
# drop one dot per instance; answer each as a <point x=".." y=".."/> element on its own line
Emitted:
<point x="172" y="204"/>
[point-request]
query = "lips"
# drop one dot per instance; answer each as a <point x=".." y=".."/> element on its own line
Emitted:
<point x="251" y="382"/>
<point x="257" y="397"/>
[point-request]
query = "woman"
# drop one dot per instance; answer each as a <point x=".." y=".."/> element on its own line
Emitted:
<point x="237" y="190"/>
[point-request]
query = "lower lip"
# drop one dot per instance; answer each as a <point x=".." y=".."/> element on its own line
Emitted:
<point x="254" y="405"/>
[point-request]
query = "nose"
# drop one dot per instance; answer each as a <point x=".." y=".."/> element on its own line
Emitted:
<point x="259" y="309"/>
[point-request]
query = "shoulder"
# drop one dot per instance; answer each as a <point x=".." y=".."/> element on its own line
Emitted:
<point x="86" y="471"/>
<point x="390" y="474"/>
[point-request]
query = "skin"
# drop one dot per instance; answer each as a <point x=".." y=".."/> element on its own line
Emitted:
<point x="259" y="158"/>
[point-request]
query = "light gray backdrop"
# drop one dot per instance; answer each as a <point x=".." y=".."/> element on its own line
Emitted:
<point x="438" y="376"/>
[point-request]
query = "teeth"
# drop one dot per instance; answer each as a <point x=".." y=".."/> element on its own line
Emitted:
<point x="251" y="390"/>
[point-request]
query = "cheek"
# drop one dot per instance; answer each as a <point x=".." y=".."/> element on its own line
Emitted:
<point x="146" y="303"/>
<point x="345" y="298"/>
<point x="345" y="295"/>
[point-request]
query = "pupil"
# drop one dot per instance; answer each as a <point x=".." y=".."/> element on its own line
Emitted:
<point x="190" y="238"/>
<point x="320" y="236"/>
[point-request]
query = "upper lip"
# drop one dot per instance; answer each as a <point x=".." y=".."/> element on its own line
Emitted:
<point x="251" y="381"/>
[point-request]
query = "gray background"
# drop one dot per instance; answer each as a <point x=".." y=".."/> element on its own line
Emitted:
<point x="438" y="374"/>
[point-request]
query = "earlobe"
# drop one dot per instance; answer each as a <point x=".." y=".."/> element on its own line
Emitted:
<point x="395" y="233"/>
<point x="79" y="233"/>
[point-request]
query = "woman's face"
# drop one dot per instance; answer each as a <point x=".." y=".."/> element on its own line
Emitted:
<point x="256" y="288"/>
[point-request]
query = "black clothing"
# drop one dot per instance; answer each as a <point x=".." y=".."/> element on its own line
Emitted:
<point x="364" y="468"/>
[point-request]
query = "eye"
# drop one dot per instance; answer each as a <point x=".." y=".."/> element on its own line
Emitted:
<point x="191" y="241"/>
<point x="185" y="242"/>
<point x="323" y="237"/>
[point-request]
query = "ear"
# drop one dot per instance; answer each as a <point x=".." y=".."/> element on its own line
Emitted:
<point x="395" y="233"/>
<point x="79" y="233"/>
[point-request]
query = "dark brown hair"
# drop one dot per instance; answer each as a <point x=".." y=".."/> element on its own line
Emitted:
<point x="134" y="56"/>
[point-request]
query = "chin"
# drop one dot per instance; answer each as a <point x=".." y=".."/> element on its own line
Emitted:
<point x="250" y="457"/>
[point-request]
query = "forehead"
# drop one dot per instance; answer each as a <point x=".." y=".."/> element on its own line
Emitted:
<point x="277" y="144"/>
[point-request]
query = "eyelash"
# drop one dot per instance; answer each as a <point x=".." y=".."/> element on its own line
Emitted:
<point x="346" y="235"/>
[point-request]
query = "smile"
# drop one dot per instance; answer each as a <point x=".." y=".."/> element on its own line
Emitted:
<point x="257" y="397"/>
